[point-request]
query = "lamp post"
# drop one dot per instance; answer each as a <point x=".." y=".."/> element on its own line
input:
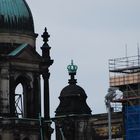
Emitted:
<point x="108" y="98"/>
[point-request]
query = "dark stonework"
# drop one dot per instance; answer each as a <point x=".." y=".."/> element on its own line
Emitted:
<point x="46" y="63"/>
<point x="21" y="64"/>
<point x="72" y="101"/>
<point x="72" y="98"/>
<point x="73" y="113"/>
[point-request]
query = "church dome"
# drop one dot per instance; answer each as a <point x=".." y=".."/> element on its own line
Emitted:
<point x="16" y="23"/>
<point x="73" y="101"/>
<point x="15" y="16"/>
<point x="73" y="90"/>
<point x="72" y="97"/>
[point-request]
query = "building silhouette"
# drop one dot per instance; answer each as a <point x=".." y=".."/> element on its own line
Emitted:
<point x="73" y="112"/>
<point x="73" y="119"/>
<point x="21" y="66"/>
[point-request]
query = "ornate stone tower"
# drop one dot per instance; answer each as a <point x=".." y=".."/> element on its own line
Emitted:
<point x="21" y="67"/>
<point x="73" y="113"/>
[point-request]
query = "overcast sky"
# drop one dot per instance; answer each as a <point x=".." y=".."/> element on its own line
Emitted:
<point x="90" y="32"/>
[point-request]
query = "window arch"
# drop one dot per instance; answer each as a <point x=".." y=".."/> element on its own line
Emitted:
<point x="19" y="101"/>
<point x="22" y="95"/>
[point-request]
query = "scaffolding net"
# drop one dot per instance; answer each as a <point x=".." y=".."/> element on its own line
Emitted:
<point x="132" y="122"/>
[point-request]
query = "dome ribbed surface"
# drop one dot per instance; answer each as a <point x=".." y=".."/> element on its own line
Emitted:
<point x="15" y="16"/>
<point x="73" y="90"/>
<point x="72" y="101"/>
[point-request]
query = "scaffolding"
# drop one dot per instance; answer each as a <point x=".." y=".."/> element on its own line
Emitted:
<point x="19" y="105"/>
<point x="124" y="74"/>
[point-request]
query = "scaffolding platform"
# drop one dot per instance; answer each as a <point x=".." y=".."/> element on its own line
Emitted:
<point x="119" y="80"/>
<point x="125" y="64"/>
<point x="124" y="73"/>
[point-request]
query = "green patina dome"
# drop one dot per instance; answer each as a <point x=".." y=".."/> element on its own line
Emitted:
<point x="15" y="16"/>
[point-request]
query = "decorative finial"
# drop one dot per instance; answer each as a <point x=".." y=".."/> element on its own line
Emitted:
<point x="45" y="36"/>
<point x="72" y="68"/>
<point x="72" y="72"/>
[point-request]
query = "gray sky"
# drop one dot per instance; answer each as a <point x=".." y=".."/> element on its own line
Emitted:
<point x="90" y="32"/>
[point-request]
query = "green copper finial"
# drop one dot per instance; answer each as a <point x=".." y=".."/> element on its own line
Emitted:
<point x="72" y="68"/>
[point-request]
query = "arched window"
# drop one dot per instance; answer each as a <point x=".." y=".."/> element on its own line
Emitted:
<point x="23" y="96"/>
<point x="19" y="101"/>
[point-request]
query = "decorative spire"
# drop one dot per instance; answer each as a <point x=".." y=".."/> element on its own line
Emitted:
<point x="45" y="36"/>
<point x="72" y="69"/>
<point x="45" y="47"/>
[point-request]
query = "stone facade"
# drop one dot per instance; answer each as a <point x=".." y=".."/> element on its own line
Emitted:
<point x="94" y="127"/>
<point x="21" y="64"/>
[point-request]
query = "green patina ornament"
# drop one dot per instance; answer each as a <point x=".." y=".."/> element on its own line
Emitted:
<point x="72" y="68"/>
